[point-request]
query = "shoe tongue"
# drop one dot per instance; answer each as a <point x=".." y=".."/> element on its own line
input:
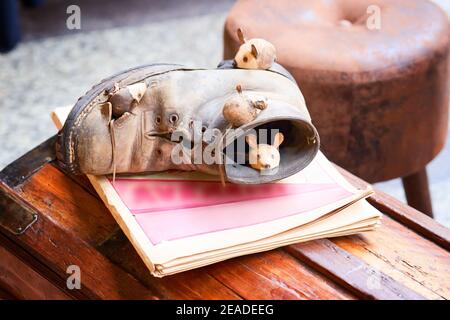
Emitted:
<point x="300" y="145"/>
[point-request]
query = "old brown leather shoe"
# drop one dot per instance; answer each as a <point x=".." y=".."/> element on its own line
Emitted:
<point x="126" y="123"/>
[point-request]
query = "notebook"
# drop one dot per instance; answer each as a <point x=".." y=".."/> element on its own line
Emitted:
<point x="179" y="221"/>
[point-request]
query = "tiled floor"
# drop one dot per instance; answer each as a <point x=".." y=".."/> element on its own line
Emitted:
<point x="59" y="67"/>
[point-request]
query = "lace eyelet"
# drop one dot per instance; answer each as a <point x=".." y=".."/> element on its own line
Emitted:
<point x="173" y="118"/>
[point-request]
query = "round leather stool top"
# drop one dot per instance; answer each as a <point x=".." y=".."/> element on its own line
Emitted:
<point x="378" y="96"/>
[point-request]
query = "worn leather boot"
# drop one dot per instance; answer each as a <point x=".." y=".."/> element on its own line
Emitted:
<point x="126" y="123"/>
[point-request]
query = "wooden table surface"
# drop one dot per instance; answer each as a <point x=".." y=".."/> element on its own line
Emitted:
<point x="406" y="258"/>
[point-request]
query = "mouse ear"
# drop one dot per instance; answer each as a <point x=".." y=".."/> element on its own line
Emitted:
<point x="240" y="36"/>
<point x="137" y="90"/>
<point x="106" y="110"/>
<point x="279" y="138"/>
<point x="239" y="88"/>
<point x="251" y="140"/>
<point x="254" y="51"/>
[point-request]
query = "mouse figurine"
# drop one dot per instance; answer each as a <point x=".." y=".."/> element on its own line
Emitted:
<point x="241" y="109"/>
<point x="264" y="156"/>
<point x="254" y="53"/>
<point x="125" y="99"/>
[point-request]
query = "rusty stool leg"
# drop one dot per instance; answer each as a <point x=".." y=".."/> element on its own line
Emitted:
<point x="417" y="191"/>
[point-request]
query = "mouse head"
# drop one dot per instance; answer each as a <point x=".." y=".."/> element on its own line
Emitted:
<point x="126" y="98"/>
<point x="264" y="156"/>
<point x="247" y="55"/>
<point x="254" y="53"/>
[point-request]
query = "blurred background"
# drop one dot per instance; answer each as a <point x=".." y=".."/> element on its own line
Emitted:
<point x="52" y="65"/>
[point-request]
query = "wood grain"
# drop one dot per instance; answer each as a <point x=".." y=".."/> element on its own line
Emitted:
<point x="38" y="267"/>
<point x="24" y="167"/>
<point x="23" y="282"/>
<point x="411" y="218"/>
<point x="271" y="275"/>
<point x="6" y="294"/>
<point x="275" y="275"/>
<point x="408" y="216"/>
<point x="68" y="205"/>
<point x="81" y="180"/>
<point x="194" y="284"/>
<point x="359" y="277"/>
<point x="405" y="256"/>
<point x="58" y="247"/>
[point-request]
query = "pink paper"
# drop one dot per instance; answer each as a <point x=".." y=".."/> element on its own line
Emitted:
<point x="174" y="209"/>
<point x="148" y="195"/>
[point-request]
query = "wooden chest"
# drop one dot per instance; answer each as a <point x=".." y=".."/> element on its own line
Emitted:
<point x="50" y="221"/>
